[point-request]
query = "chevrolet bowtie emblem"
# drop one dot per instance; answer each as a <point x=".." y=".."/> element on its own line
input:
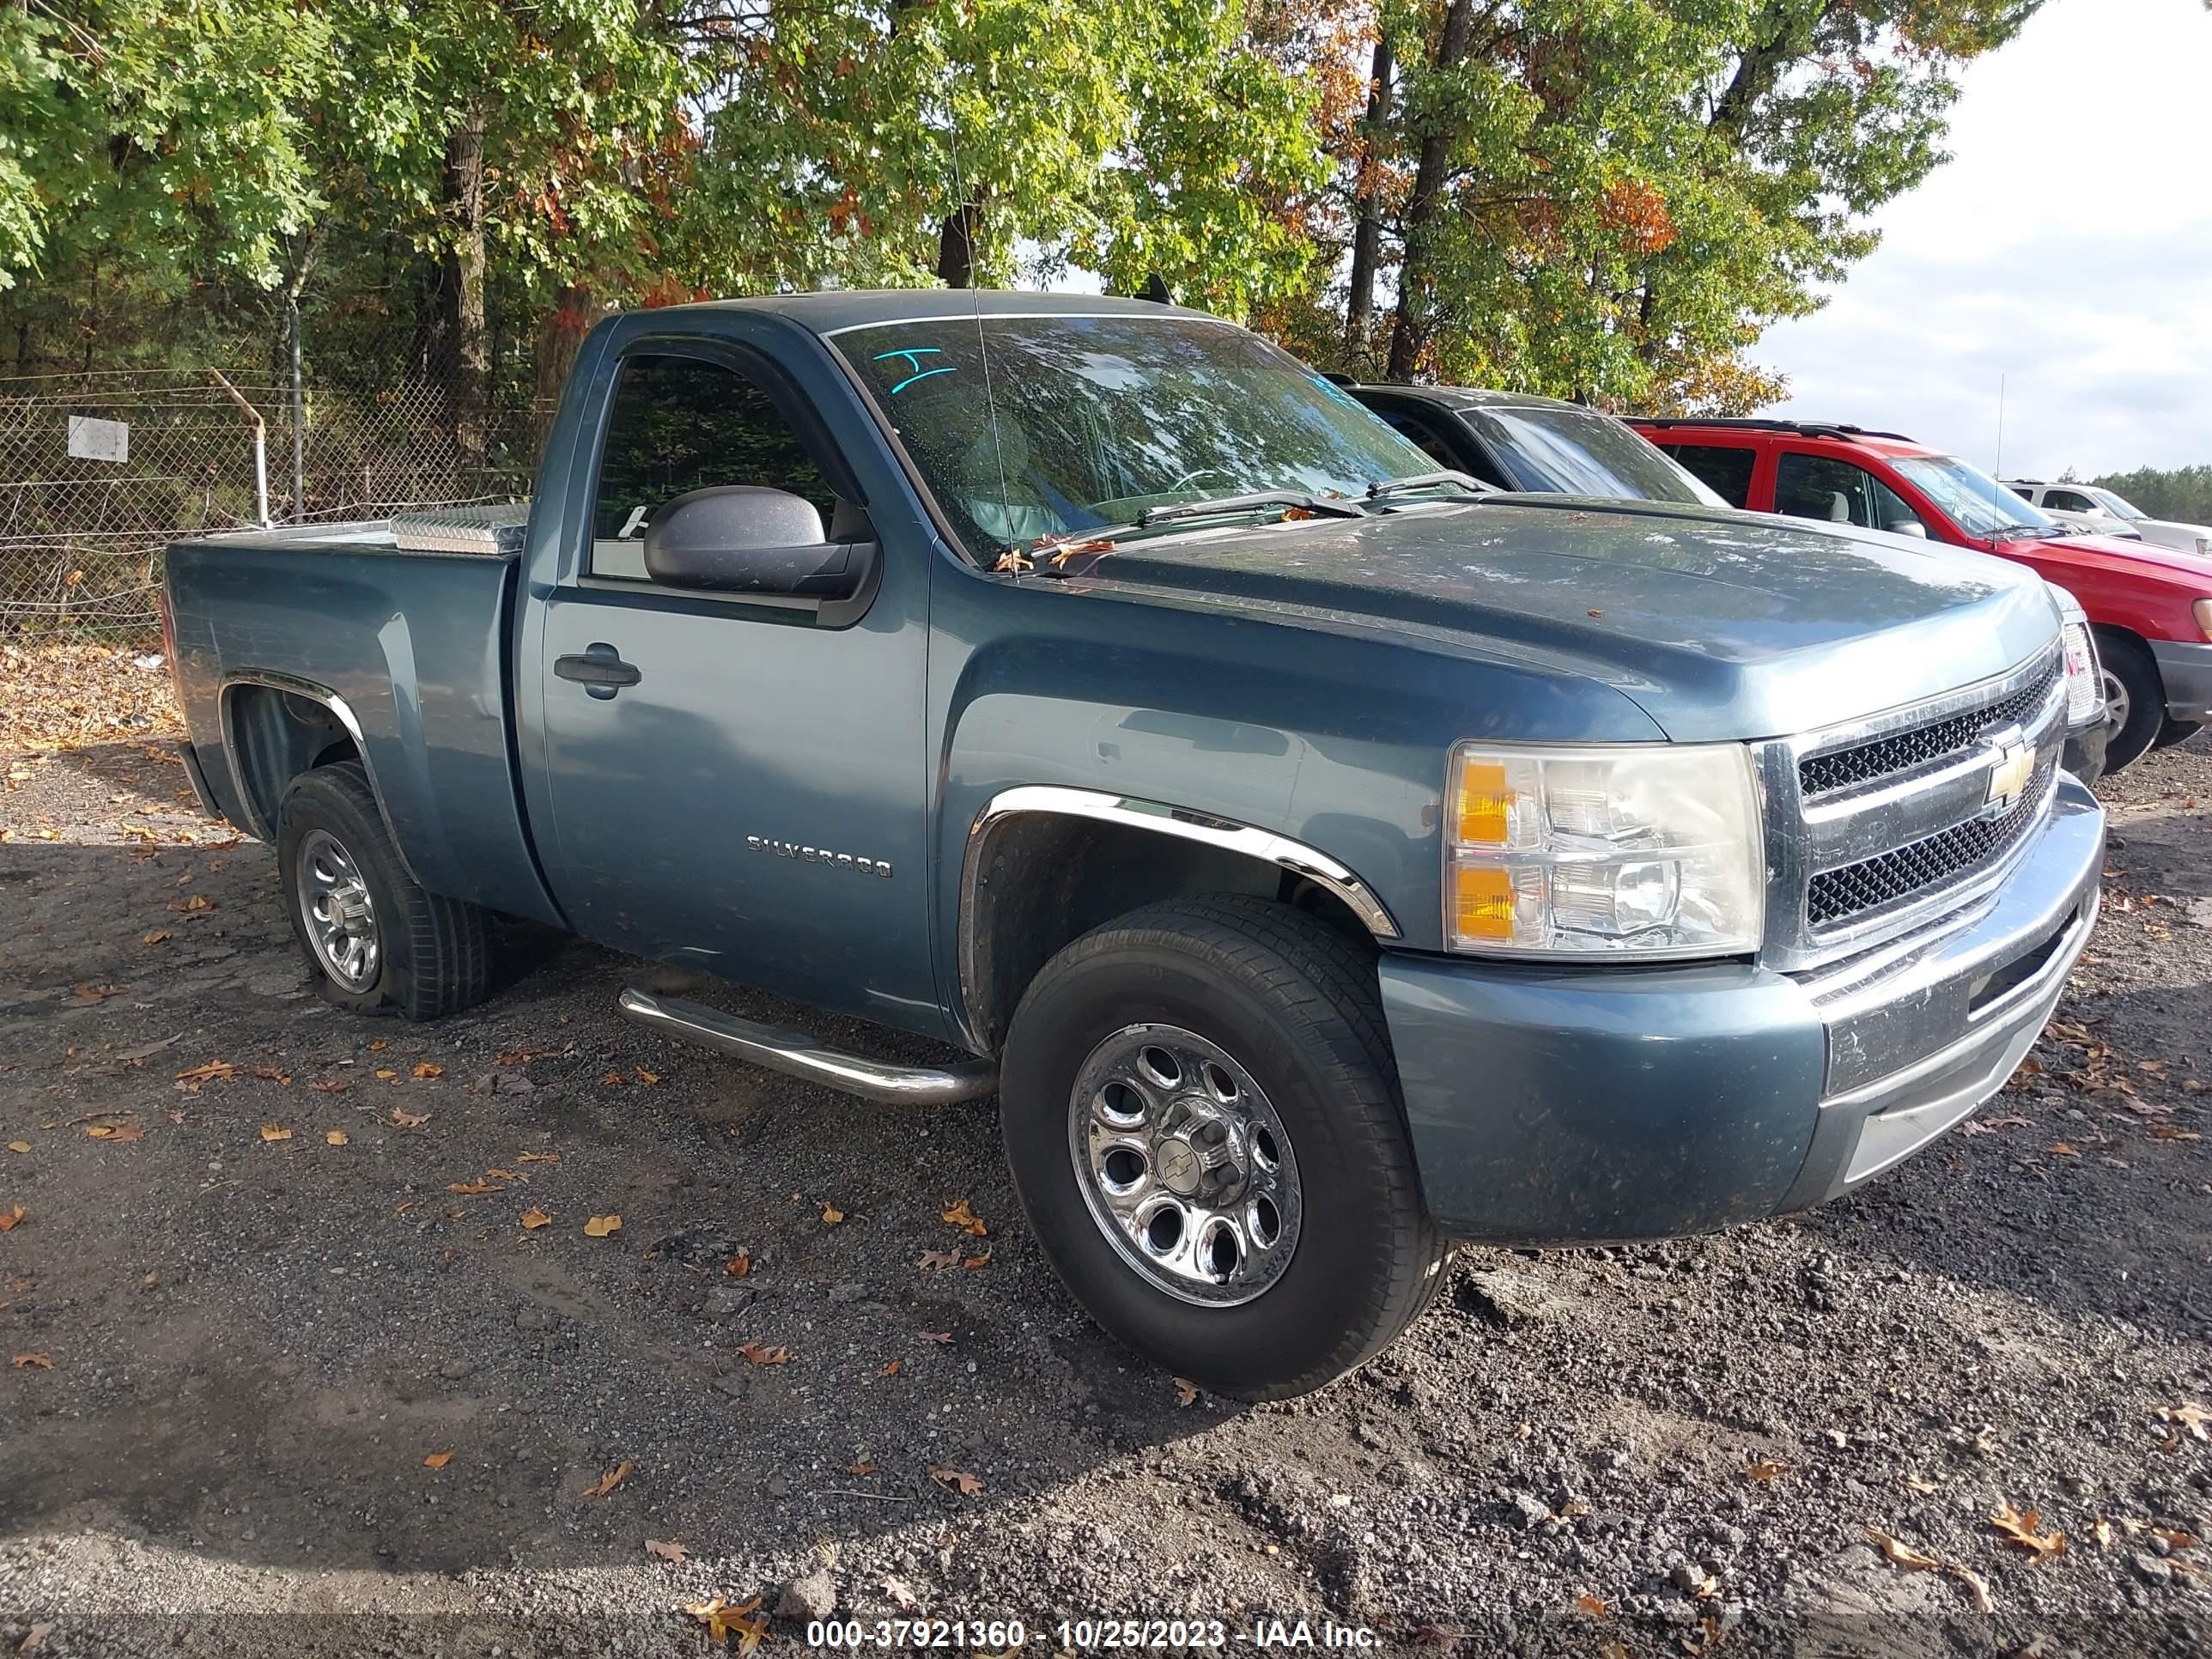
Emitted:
<point x="2012" y="768"/>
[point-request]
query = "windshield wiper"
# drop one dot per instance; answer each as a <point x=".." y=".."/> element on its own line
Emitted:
<point x="1385" y="487"/>
<point x="1249" y="502"/>
<point x="2005" y="532"/>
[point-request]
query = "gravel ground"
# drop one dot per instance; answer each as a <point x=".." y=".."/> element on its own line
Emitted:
<point x="294" y="1372"/>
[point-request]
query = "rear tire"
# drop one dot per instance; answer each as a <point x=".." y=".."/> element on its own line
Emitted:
<point x="378" y="942"/>
<point x="1221" y="1066"/>
<point x="2137" y="694"/>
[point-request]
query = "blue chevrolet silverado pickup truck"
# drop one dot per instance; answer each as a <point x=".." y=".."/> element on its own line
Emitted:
<point x="1321" y="856"/>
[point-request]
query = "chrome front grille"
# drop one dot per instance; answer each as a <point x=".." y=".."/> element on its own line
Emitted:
<point x="1888" y="824"/>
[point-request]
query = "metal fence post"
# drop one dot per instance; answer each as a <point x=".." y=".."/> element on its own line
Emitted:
<point x="299" y="418"/>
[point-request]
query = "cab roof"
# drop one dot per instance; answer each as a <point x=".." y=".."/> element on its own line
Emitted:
<point x="829" y="313"/>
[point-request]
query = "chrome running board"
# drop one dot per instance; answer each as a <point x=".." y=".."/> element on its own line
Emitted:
<point x="794" y="1053"/>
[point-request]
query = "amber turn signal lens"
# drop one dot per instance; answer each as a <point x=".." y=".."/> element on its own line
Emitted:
<point x="1485" y="896"/>
<point x="1484" y="804"/>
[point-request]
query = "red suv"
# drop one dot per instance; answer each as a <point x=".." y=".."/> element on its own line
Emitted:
<point x="2151" y="606"/>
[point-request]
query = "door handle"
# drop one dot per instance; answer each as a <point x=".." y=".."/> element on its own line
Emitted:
<point x="599" y="670"/>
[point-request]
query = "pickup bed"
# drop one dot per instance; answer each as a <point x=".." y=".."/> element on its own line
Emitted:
<point x="1321" y="857"/>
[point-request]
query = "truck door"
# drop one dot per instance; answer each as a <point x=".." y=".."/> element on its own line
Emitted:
<point x="740" y="784"/>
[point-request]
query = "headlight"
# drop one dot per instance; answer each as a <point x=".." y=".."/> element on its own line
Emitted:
<point x="1651" y="850"/>
<point x="2085" y="690"/>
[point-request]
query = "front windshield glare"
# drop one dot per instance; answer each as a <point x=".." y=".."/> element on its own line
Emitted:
<point x="1574" y="452"/>
<point x="1976" y="503"/>
<point x="2120" y="504"/>
<point x="1085" y="421"/>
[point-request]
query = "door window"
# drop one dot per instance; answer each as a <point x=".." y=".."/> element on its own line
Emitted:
<point x="1821" y="486"/>
<point x="1724" y="469"/>
<point x="679" y="424"/>
<point x="2069" y="501"/>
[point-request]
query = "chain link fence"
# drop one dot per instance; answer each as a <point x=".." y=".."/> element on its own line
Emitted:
<point x="100" y="471"/>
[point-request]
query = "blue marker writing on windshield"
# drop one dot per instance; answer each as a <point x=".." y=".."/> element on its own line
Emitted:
<point x="914" y="355"/>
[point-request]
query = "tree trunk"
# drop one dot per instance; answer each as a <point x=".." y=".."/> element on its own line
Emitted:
<point x="1409" y="328"/>
<point x="1367" y="232"/>
<point x="463" y="369"/>
<point x="558" y="338"/>
<point x="956" y="245"/>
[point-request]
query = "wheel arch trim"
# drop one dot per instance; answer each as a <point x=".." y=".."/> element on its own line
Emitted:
<point x="339" y="709"/>
<point x="1158" y="818"/>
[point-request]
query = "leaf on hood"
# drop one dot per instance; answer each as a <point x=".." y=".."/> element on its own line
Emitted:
<point x="675" y="1552"/>
<point x="1764" y="1469"/>
<point x="1903" y="1555"/>
<point x="124" y="1132"/>
<point x="534" y="1219"/>
<point x="1977" y="1587"/>
<point x="336" y="1137"/>
<point x="274" y="1132"/>
<point x="11" y="1219"/>
<point x="760" y="1354"/>
<point x="966" y="1219"/>
<point x="33" y="1362"/>
<point x="408" y="1120"/>
<point x="1185" y="1392"/>
<point x="607" y="1482"/>
<point x="437" y="1460"/>
<point x="961" y="1482"/>
<point x="739" y="1264"/>
<point x="937" y="1260"/>
<point x="2018" y="1530"/>
<point x="599" y="1226"/>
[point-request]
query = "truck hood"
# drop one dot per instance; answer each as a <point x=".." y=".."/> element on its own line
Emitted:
<point x="2143" y="556"/>
<point x="1720" y="625"/>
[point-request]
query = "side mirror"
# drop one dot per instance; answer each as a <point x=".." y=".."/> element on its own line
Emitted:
<point x="743" y="538"/>
<point x="1907" y="527"/>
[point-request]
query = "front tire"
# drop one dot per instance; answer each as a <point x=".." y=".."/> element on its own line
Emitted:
<point x="1201" y="1115"/>
<point x="378" y="942"/>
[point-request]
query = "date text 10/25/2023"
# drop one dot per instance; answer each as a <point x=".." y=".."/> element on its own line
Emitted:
<point x="1002" y="1636"/>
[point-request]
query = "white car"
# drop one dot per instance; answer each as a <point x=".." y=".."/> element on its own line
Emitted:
<point x="2090" y="507"/>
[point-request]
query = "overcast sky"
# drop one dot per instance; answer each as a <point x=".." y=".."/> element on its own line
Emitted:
<point x="2067" y="246"/>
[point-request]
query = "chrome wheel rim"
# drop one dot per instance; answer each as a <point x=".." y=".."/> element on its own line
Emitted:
<point x="339" y="914"/>
<point x="1185" y="1165"/>
<point x="2116" y="702"/>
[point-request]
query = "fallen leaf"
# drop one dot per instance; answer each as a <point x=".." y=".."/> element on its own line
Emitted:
<point x="437" y="1460"/>
<point x="274" y="1132"/>
<point x="943" y="1339"/>
<point x="675" y="1552"/>
<point x="425" y="1069"/>
<point x="1903" y="1555"/>
<point x="2169" y="1132"/>
<point x="377" y="1044"/>
<point x="29" y="1362"/>
<point x="18" y="1145"/>
<point x="11" y="1220"/>
<point x="124" y="1132"/>
<point x="214" y="1072"/>
<point x="387" y="1074"/>
<point x="327" y="1086"/>
<point x="1977" y="1586"/>
<point x="645" y="1077"/>
<point x="197" y="904"/>
<point x="1185" y="1391"/>
<point x="512" y="1057"/>
<point x="760" y="1354"/>
<point x="408" y="1120"/>
<point x="99" y="993"/>
<point x="739" y="1264"/>
<point x="35" y="1638"/>
<point x="600" y="1225"/>
<point x="2195" y="1419"/>
<point x="2063" y="1149"/>
<point x="1914" y="1483"/>
<point x="723" y="1621"/>
<point x="537" y="1158"/>
<point x="937" y="1260"/>
<point x="612" y="1079"/>
<point x="1764" y="1469"/>
<point x="473" y="1188"/>
<point x="966" y="1219"/>
<point x="977" y="1263"/>
<point x="271" y="1074"/>
<point x="2175" y="1540"/>
<point x="966" y="1485"/>
<point x="901" y="1594"/>
<point x="336" y="1137"/>
<point x="864" y="1469"/>
<point x="892" y="1368"/>
<point x="1590" y="1604"/>
<point x="158" y="936"/>
<point x="607" y="1482"/>
<point x="534" y="1219"/>
<point x="505" y="1175"/>
<point x="831" y="1214"/>
<point x="2102" y="1532"/>
<point x="2018" y="1529"/>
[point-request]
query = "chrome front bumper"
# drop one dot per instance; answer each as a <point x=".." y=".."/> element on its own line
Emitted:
<point x="1924" y="1029"/>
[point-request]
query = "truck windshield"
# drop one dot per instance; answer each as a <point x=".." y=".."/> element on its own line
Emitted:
<point x="1580" y="453"/>
<point x="2120" y="505"/>
<point x="1976" y="503"/>
<point x="1083" y="422"/>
